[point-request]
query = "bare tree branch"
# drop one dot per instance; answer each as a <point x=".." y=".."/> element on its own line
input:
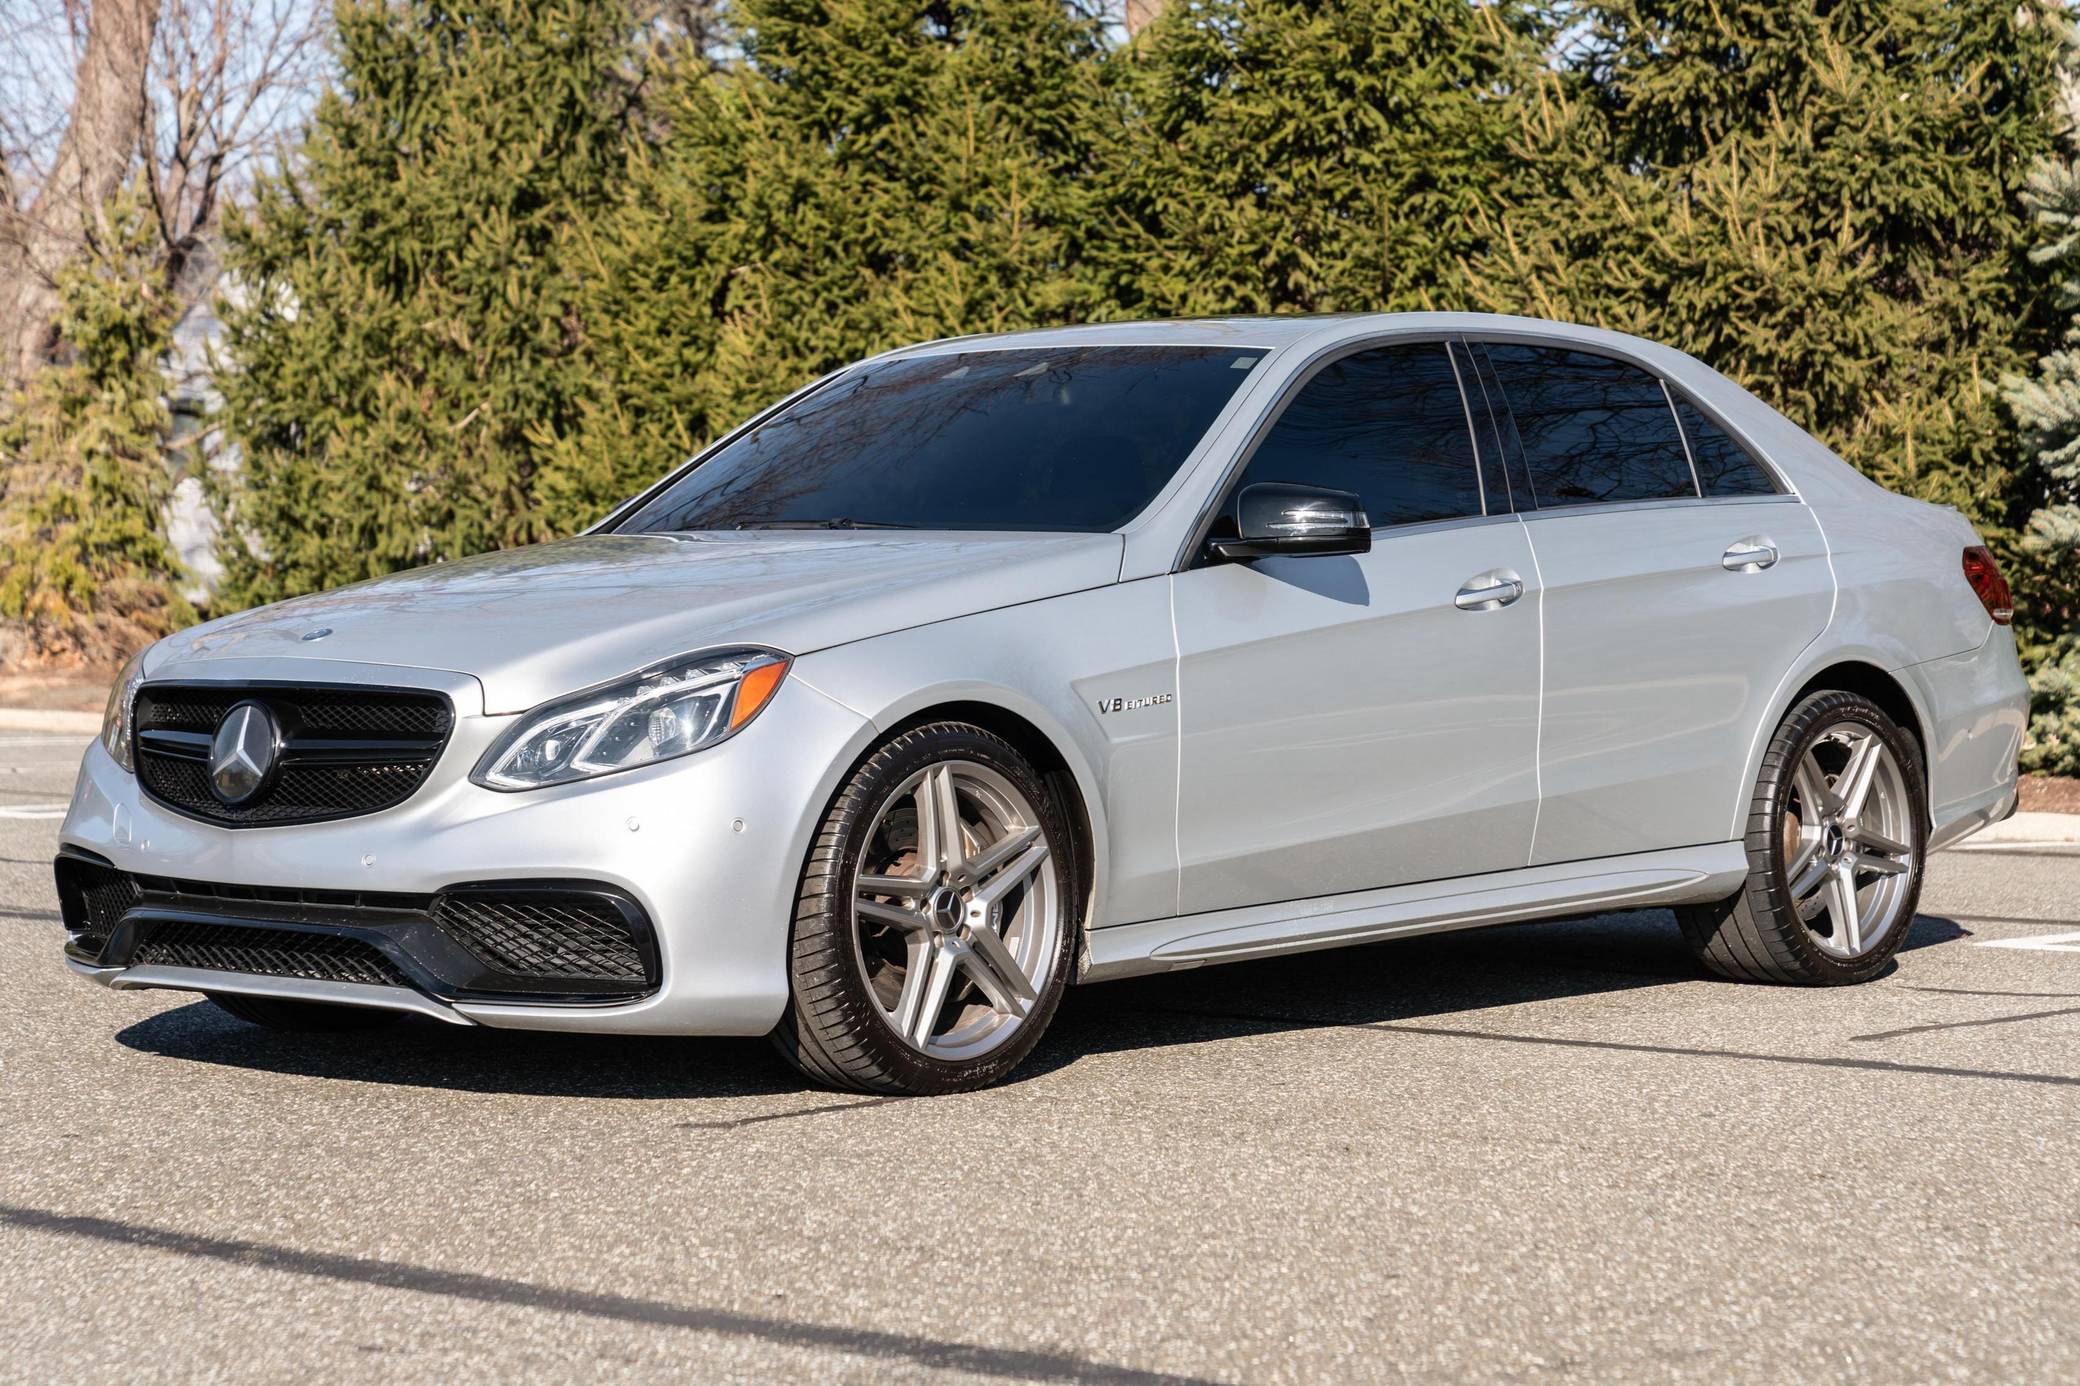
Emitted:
<point x="93" y="156"/>
<point x="188" y="92"/>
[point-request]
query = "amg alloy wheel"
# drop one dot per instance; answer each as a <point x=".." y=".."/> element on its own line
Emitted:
<point x="933" y="932"/>
<point x="1836" y="835"/>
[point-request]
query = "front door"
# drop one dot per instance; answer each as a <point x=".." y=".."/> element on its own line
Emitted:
<point x="1353" y="722"/>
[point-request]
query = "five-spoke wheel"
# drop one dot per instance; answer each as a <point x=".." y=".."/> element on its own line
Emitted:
<point x="937" y="913"/>
<point x="1835" y="840"/>
<point x="958" y="909"/>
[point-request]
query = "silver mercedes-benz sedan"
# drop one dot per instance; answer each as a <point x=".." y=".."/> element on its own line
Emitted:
<point x="991" y="665"/>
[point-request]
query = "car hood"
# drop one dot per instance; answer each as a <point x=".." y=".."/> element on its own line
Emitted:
<point x="534" y="623"/>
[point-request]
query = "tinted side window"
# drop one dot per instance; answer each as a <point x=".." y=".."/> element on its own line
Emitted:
<point x="1723" y="466"/>
<point x="1593" y="429"/>
<point x="1388" y="424"/>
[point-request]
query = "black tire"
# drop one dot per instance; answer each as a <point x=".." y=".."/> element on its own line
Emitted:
<point x="1755" y="935"/>
<point x="833" y="1031"/>
<point x="275" y="1013"/>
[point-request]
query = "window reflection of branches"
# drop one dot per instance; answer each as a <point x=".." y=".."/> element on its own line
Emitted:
<point x="1594" y="429"/>
<point x="1020" y="439"/>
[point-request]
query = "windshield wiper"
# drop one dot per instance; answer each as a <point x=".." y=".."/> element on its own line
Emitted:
<point x="841" y="522"/>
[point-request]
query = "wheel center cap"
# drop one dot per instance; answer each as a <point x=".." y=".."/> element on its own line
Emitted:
<point x="1833" y="841"/>
<point x="946" y="908"/>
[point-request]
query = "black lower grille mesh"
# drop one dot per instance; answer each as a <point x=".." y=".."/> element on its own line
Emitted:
<point x="92" y="898"/>
<point x="548" y="938"/>
<point x="268" y="953"/>
<point x="300" y="793"/>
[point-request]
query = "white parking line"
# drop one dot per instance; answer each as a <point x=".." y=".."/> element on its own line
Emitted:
<point x="32" y="810"/>
<point x="2068" y="942"/>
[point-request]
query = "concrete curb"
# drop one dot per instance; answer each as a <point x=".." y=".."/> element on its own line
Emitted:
<point x="2032" y="829"/>
<point x="45" y="719"/>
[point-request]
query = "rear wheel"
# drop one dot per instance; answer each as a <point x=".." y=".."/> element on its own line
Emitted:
<point x="1837" y="831"/>
<point x="936" y="916"/>
<point x="275" y="1013"/>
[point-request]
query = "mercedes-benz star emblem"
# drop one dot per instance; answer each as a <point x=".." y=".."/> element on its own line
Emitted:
<point x="242" y="754"/>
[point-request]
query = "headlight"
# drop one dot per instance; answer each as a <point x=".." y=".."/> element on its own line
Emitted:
<point x="671" y="710"/>
<point x="116" y="729"/>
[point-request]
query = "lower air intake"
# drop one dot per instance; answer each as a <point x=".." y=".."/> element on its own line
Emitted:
<point x="547" y="939"/>
<point x="265" y="952"/>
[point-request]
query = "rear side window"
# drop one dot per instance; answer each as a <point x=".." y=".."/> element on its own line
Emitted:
<point x="1388" y="424"/>
<point x="1723" y="466"/>
<point x="1594" y="430"/>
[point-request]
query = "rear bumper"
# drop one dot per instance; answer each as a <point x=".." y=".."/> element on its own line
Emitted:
<point x="707" y="847"/>
<point x="1976" y="706"/>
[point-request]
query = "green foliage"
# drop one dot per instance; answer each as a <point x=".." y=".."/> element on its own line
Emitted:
<point x="400" y="324"/>
<point x="2047" y="406"/>
<point x="1821" y="201"/>
<point x="1307" y="155"/>
<point x="872" y="174"/>
<point x="518" y="268"/>
<point x="85" y="573"/>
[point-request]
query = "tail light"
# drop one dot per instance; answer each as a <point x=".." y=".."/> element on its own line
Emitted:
<point x="1985" y="577"/>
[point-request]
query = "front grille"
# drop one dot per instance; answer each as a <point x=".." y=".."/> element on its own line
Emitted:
<point x="344" y="751"/>
<point x="551" y="937"/>
<point x="264" y="952"/>
<point x="92" y="899"/>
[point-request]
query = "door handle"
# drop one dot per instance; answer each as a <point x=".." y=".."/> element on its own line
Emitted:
<point x="1488" y="593"/>
<point x="1749" y="556"/>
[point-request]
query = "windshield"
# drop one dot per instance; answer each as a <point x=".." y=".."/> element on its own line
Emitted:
<point x="1075" y="438"/>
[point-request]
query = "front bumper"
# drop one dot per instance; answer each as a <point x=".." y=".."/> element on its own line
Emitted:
<point x="708" y="847"/>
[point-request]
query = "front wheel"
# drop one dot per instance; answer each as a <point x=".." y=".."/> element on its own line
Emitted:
<point x="1837" y="832"/>
<point x="937" y="913"/>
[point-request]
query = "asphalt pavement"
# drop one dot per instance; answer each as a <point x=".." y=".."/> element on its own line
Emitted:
<point x="1548" y="1151"/>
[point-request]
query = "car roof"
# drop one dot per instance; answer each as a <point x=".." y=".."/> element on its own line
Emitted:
<point x="1270" y="332"/>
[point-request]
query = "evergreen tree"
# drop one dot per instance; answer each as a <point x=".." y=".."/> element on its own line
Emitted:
<point x="1822" y="201"/>
<point x="401" y="324"/>
<point x="85" y="572"/>
<point x="871" y="174"/>
<point x="1307" y="155"/>
<point x="2047" y="405"/>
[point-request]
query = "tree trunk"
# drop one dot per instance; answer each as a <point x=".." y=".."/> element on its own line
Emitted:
<point x="102" y="137"/>
<point x="1141" y="14"/>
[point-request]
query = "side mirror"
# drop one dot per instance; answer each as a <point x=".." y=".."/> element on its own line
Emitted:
<point x="1273" y="518"/>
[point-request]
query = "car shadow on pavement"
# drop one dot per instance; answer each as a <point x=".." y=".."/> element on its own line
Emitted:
<point x="419" y="1052"/>
<point x="1425" y="978"/>
<point x="1428" y="978"/>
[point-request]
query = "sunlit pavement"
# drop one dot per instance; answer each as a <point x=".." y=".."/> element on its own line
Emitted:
<point x="1547" y="1150"/>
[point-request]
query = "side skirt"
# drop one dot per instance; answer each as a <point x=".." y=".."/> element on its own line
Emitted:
<point x="1685" y="875"/>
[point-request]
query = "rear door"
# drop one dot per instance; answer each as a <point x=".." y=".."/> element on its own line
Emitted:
<point x="1350" y="722"/>
<point x="1679" y="585"/>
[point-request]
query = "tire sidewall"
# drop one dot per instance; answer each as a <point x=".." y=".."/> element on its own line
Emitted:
<point x="828" y="910"/>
